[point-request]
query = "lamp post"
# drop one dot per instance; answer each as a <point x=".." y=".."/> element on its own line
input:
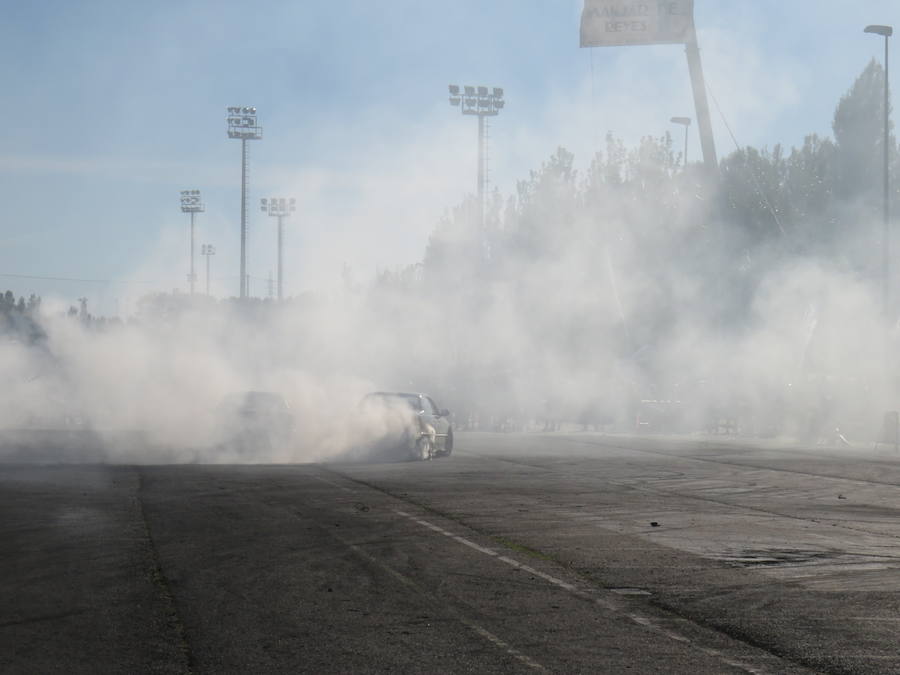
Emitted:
<point x="280" y="208"/>
<point x="190" y="203"/>
<point x="478" y="101"/>
<point x="207" y="250"/>
<point x="686" y="122"/>
<point x="242" y="124"/>
<point x="885" y="31"/>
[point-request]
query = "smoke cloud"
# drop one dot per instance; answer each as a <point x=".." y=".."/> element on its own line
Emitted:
<point x="633" y="294"/>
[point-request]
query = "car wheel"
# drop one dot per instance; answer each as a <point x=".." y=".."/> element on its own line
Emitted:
<point x="425" y="449"/>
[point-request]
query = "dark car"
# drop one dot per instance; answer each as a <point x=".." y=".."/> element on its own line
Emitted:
<point x="405" y="425"/>
<point x="255" y="420"/>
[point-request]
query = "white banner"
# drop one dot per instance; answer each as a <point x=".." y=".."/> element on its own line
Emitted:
<point x="610" y="23"/>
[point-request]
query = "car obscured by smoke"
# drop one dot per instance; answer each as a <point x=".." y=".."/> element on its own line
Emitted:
<point x="254" y="421"/>
<point x="400" y="425"/>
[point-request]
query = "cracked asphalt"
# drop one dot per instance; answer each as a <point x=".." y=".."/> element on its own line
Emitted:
<point x="520" y="553"/>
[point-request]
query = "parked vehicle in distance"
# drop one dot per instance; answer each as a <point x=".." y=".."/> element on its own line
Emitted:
<point x="255" y="420"/>
<point x="401" y="425"/>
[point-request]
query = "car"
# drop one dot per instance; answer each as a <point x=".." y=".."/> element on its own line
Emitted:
<point x="255" y="420"/>
<point x="405" y="426"/>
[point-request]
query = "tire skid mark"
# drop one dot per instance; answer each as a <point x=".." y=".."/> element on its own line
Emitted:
<point x="161" y="581"/>
<point x="331" y="483"/>
<point x="611" y="603"/>
<point x="635" y="487"/>
<point x="730" y="462"/>
<point x="410" y="583"/>
<point x="43" y="617"/>
<point x="593" y="597"/>
<point x="471" y="625"/>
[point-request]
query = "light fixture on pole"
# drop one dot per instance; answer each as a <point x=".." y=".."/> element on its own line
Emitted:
<point x="479" y="101"/>
<point x="190" y="203"/>
<point x="886" y="32"/>
<point x="242" y="124"/>
<point x="207" y="250"/>
<point x="280" y="208"/>
<point x="686" y="122"/>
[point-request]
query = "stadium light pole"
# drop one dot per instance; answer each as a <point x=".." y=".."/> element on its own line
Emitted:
<point x="478" y="101"/>
<point x="209" y="251"/>
<point x="190" y="203"/>
<point x="686" y="123"/>
<point x="280" y="208"/>
<point x="242" y="124"/>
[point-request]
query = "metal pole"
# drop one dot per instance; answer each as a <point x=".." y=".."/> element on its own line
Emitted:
<point x="244" y="284"/>
<point x="886" y="243"/>
<point x="192" y="252"/>
<point x="704" y="123"/>
<point x="280" y="255"/>
<point x="481" y="171"/>
<point x="207" y="273"/>
<point x="686" y="129"/>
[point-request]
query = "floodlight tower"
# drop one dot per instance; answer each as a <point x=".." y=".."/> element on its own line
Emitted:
<point x="190" y="203"/>
<point x="478" y="101"/>
<point x="207" y="250"/>
<point x="280" y="208"/>
<point x="242" y="124"/>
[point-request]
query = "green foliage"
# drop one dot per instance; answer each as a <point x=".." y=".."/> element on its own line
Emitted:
<point x="19" y="320"/>
<point x="859" y="134"/>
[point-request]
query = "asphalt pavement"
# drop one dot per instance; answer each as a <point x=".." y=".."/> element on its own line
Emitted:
<point x="520" y="553"/>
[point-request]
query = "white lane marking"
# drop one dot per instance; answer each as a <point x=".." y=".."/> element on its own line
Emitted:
<point x="639" y="619"/>
<point x="505" y="647"/>
<point x="553" y="580"/>
<point x="331" y="483"/>
<point x="440" y="530"/>
<point x="648" y="623"/>
<point x="406" y="581"/>
<point x="509" y="561"/>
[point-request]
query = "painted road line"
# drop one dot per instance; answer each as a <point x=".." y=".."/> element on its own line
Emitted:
<point x="505" y="559"/>
<point x="471" y="625"/>
<point x="611" y="606"/>
<point x="487" y="635"/>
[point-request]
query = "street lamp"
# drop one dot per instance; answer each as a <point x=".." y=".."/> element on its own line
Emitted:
<point x="242" y="124"/>
<point x="190" y="203"/>
<point x="889" y="432"/>
<point x="479" y="101"/>
<point x="280" y="208"/>
<point x="208" y="250"/>
<point x="885" y="31"/>
<point x="686" y="122"/>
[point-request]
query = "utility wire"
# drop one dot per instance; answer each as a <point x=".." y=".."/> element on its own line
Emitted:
<point x="86" y="281"/>
<point x="99" y="281"/>
<point x="595" y="135"/>
<point x="756" y="183"/>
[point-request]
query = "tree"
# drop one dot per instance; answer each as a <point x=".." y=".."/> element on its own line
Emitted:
<point x="546" y="207"/>
<point x="859" y="135"/>
<point x="753" y="189"/>
<point x="810" y="187"/>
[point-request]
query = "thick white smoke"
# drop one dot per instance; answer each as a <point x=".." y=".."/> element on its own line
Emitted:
<point x="543" y="319"/>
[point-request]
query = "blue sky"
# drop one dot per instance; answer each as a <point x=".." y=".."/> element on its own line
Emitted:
<point x="113" y="107"/>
